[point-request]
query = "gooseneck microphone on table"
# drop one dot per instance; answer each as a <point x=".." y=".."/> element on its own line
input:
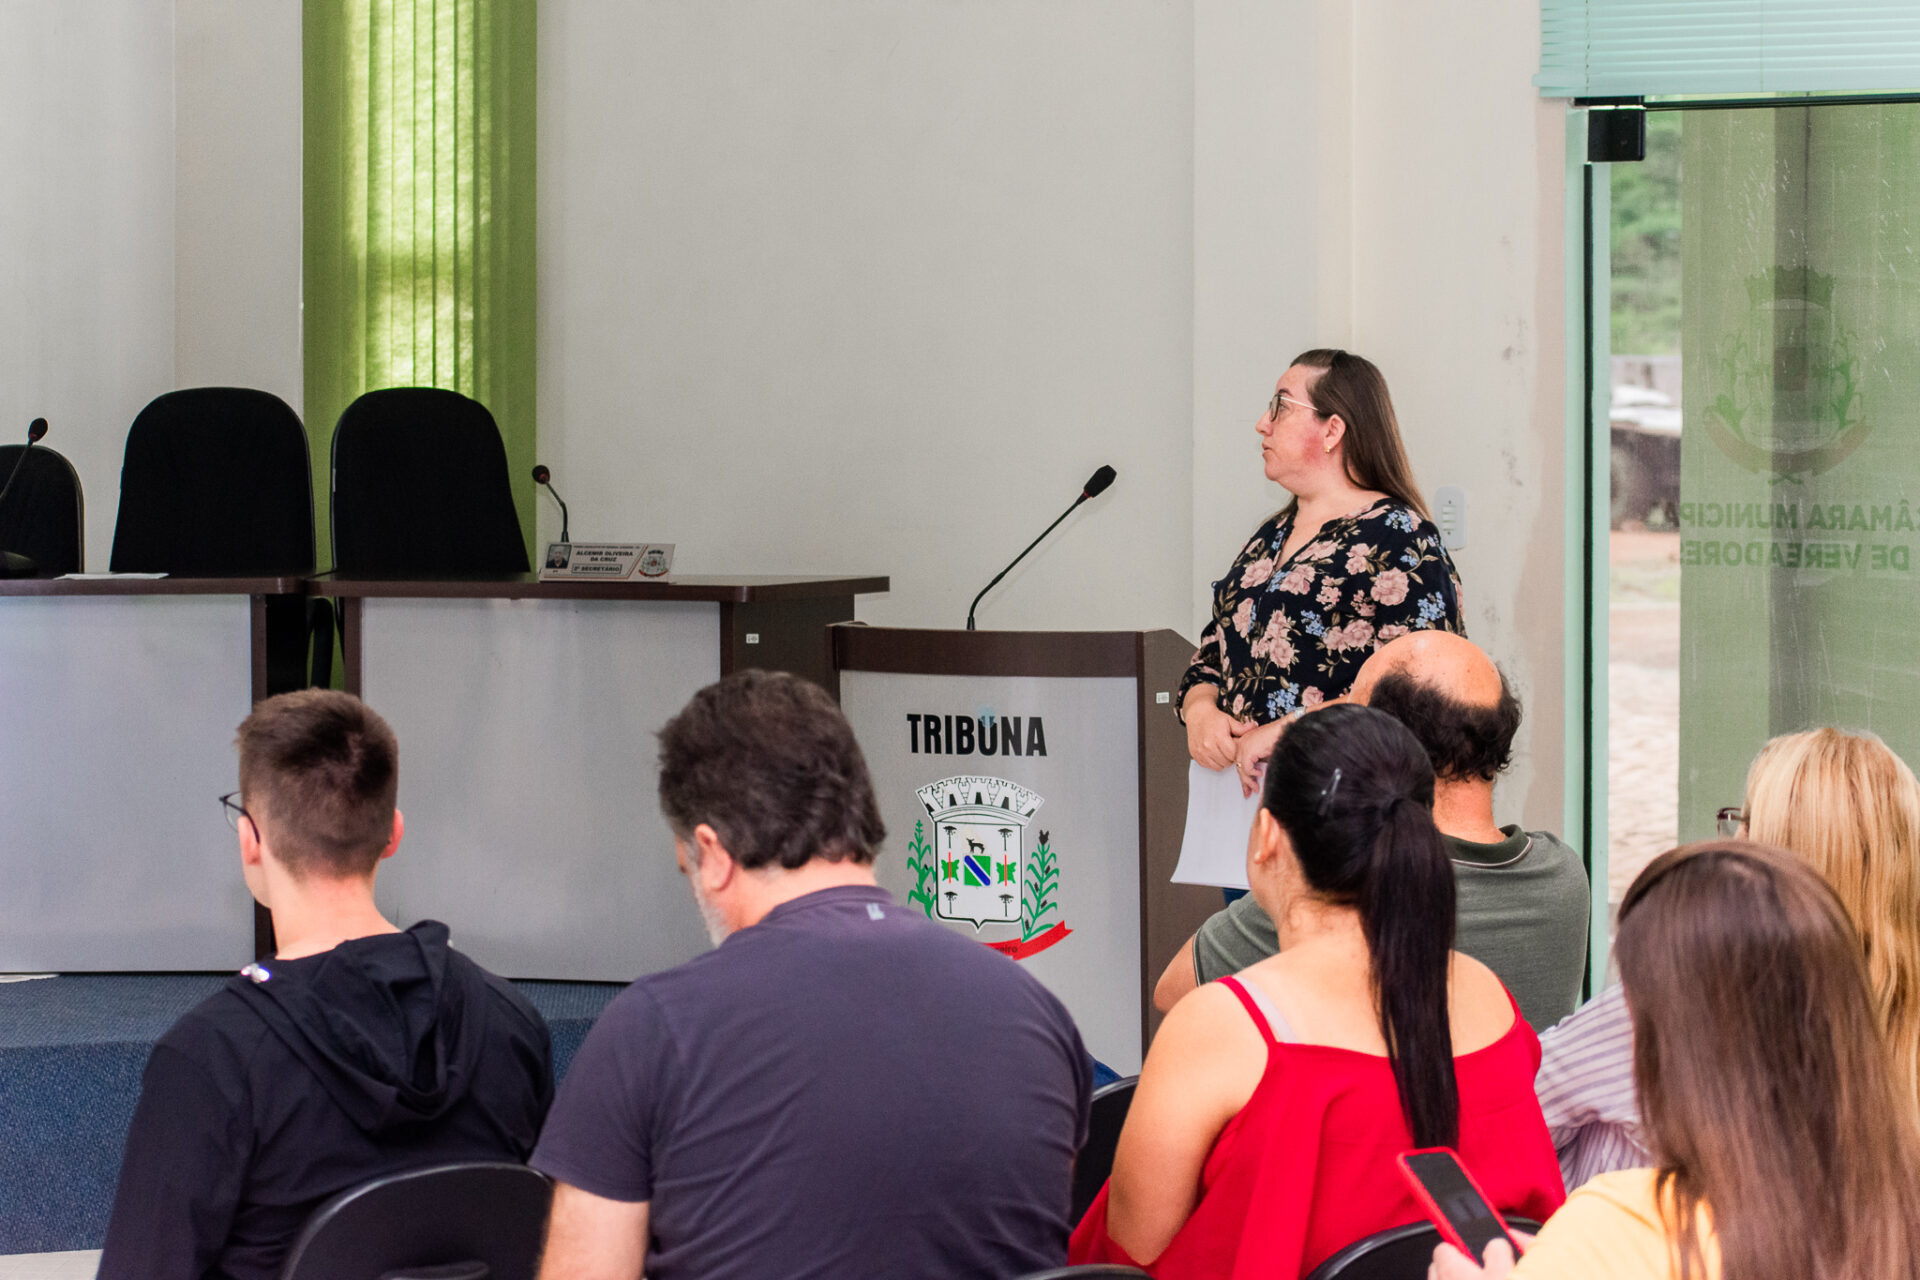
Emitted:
<point x="12" y="564"/>
<point x="544" y="478"/>
<point x="1096" y="485"/>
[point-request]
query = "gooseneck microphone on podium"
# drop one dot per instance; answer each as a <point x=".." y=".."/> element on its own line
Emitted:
<point x="544" y="478"/>
<point x="1096" y="485"/>
<point x="12" y="564"/>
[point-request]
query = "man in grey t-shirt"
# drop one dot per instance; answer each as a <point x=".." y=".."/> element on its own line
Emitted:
<point x="1523" y="895"/>
<point x="840" y="1088"/>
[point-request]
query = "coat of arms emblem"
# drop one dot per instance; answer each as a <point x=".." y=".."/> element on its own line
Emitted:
<point x="972" y="865"/>
<point x="1788" y="386"/>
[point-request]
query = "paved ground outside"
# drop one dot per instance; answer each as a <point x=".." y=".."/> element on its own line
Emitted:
<point x="1643" y="703"/>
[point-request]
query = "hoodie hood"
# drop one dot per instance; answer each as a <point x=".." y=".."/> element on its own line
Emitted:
<point x="385" y="1023"/>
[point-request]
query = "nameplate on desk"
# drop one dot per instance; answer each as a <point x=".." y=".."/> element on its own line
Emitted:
<point x="606" y="561"/>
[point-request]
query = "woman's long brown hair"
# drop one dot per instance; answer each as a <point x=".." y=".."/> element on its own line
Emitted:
<point x="1354" y="388"/>
<point x="1764" y="1080"/>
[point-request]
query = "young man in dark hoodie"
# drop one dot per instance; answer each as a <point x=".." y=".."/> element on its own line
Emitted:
<point x="359" y="1049"/>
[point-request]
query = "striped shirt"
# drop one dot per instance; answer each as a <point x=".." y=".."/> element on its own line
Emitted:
<point x="1586" y="1090"/>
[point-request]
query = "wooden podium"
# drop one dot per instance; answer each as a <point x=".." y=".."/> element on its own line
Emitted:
<point x="1034" y="788"/>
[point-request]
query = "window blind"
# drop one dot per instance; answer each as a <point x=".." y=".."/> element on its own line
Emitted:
<point x="1608" y="48"/>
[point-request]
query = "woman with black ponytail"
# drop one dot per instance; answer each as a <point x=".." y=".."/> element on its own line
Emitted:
<point x="1263" y="1133"/>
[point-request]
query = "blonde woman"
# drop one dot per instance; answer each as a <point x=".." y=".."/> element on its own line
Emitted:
<point x="1849" y="807"/>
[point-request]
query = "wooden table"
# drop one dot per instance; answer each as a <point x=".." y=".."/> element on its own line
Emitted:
<point x="527" y="714"/>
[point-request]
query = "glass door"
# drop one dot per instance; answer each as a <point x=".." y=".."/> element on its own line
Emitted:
<point x="1643" y="468"/>
<point x="1764" y="451"/>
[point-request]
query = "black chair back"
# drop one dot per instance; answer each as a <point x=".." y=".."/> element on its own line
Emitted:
<point x="216" y="480"/>
<point x="420" y="486"/>
<point x="44" y="514"/>
<point x="1094" y="1165"/>
<point x="1092" y="1271"/>
<point x="1398" y="1253"/>
<point x="470" y="1221"/>
<point x="219" y="481"/>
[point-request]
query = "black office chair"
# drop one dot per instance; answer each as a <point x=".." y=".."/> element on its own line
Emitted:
<point x="420" y="487"/>
<point x="471" y="1221"/>
<point x="217" y="481"/>
<point x="1398" y="1253"/>
<point x="44" y="516"/>
<point x="1092" y="1271"/>
<point x="1094" y="1165"/>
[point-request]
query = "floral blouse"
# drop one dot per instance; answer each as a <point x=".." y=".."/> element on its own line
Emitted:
<point x="1290" y="635"/>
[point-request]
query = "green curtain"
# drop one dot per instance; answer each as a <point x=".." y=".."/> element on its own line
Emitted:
<point x="419" y="215"/>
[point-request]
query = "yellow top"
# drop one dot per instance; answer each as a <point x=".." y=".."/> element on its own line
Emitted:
<point x="1611" y="1229"/>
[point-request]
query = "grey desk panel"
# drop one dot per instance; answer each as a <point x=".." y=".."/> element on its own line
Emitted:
<point x="527" y="776"/>
<point x="116" y="734"/>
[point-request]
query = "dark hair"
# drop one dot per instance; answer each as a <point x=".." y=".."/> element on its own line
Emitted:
<point x="1354" y="388"/>
<point x="1354" y="792"/>
<point x="1465" y="741"/>
<point x="768" y="761"/>
<point x="1764" y="1079"/>
<point x="323" y="768"/>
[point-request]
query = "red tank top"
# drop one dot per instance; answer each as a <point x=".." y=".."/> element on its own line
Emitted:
<point x="1307" y="1166"/>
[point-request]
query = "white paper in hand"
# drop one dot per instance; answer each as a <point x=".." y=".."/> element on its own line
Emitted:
<point x="1214" y="850"/>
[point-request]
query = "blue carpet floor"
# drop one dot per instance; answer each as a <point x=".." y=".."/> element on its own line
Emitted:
<point x="72" y="1050"/>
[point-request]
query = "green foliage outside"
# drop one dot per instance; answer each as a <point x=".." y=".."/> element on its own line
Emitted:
<point x="1646" y="244"/>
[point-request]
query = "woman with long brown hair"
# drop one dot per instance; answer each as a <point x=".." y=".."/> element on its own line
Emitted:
<point x="1783" y="1148"/>
<point x="1349" y="563"/>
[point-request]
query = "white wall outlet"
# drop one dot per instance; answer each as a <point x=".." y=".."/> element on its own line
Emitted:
<point x="1450" y="513"/>
<point x="753" y="637"/>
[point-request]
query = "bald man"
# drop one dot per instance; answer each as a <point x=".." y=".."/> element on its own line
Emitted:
<point x="1523" y="897"/>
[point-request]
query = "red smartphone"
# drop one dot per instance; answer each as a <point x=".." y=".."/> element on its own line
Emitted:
<point x="1459" y="1208"/>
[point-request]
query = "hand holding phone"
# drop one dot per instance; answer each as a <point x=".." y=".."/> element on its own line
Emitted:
<point x="1451" y="1264"/>
<point x="1465" y="1217"/>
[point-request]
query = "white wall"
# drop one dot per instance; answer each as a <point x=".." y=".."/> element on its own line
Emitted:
<point x="1459" y="234"/>
<point x="86" y="230"/>
<point x="1383" y="176"/>
<point x="1272" y="243"/>
<point x="150" y="223"/>
<point x="874" y="285"/>
<point x="237" y="195"/>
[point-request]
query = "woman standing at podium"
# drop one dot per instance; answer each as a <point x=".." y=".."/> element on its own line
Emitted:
<point x="1348" y="564"/>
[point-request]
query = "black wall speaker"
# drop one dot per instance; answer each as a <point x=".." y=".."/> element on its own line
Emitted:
<point x="1616" y="134"/>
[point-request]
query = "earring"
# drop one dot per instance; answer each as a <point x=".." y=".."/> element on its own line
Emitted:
<point x="1328" y="449"/>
